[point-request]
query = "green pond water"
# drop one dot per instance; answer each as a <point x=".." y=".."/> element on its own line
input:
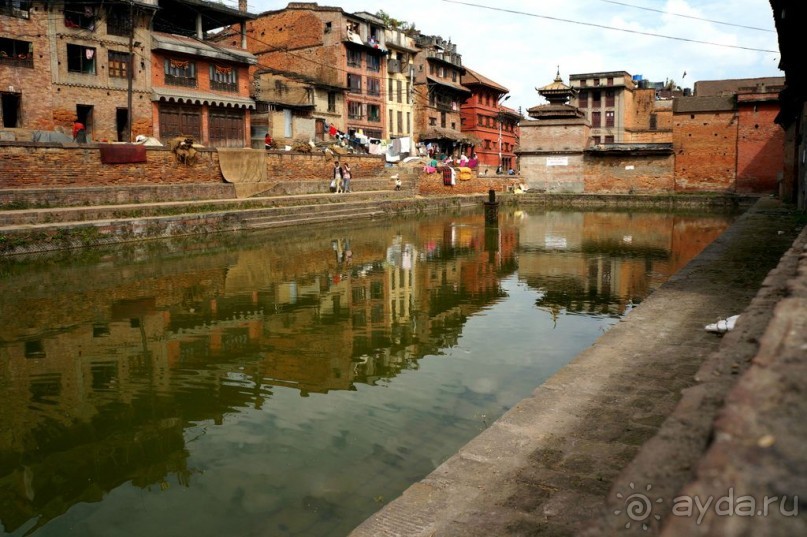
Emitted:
<point x="290" y="383"/>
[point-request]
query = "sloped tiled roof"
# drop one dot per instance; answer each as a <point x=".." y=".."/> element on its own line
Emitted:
<point x="472" y="77"/>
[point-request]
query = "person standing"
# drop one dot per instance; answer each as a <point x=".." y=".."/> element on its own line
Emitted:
<point x="346" y="175"/>
<point x="336" y="183"/>
<point x="79" y="132"/>
<point x="267" y="141"/>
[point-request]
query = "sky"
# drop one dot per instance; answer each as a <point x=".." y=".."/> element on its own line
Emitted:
<point x="520" y="46"/>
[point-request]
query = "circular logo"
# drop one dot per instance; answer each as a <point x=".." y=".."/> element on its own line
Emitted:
<point x="638" y="506"/>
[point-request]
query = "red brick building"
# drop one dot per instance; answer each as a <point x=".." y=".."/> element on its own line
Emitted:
<point x="726" y="140"/>
<point x="484" y="117"/>
<point x="338" y="49"/>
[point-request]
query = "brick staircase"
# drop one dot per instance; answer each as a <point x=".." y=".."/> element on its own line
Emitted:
<point x="35" y="220"/>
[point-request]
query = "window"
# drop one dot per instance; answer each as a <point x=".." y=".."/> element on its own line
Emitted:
<point x="374" y="113"/>
<point x="596" y="81"/>
<point x="118" y="22"/>
<point x="596" y="119"/>
<point x="609" y="118"/>
<point x="610" y="81"/>
<point x="432" y="69"/>
<point x="408" y="93"/>
<point x="409" y="122"/>
<point x="400" y="91"/>
<point x="432" y="121"/>
<point x="653" y="122"/>
<point x="372" y="133"/>
<point x="373" y="86"/>
<point x="480" y="119"/>
<point x="180" y="72"/>
<point x="453" y="76"/>
<point x="609" y="139"/>
<point x="454" y="125"/>
<point x="595" y="97"/>
<point x="15" y="8"/>
<point x="80" y="59"/>
<point x="118" y="64"/>
<point x="16" y="53"/>
<point x="400" y="122"/>
<point x="390" y="120"/>
<point x="609" y="98"/>
<point x="442" y="119"/>
<point x="373" y="63"/>
<point x="331" y="101"/>
<point x="223" y="77"/>
<point x="328" y="27"/>
<point x="354" y="110"/>
<point x="487" y="144"/>
<point x="353" y="83"/>
<point x="389" y="89"/>
<point x="583" y="83"/>
<point x="441" y="72"/>
<point x="79" y="15"/>
<point x="353" y="58"/>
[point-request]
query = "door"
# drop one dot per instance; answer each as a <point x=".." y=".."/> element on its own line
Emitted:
<point x="180" y="120"/>
<point x="122" y="124"/>
<point x="226" y="127"/>
<point x="84" y="115"/>
<point x="10" y="109"/>
<point x="319" y="130"/>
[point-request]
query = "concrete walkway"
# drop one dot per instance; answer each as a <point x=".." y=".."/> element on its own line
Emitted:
<point x="566" y="460"/>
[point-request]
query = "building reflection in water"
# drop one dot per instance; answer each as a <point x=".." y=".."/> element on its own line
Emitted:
<point x="104" y="364"/>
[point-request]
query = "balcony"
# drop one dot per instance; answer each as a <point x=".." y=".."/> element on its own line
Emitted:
<point x="183" y="81"/>
<point x="224" y="86"/>
<point x="447" y="57"/>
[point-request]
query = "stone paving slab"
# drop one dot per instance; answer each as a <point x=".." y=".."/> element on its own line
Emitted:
<point x="553" y="462"/>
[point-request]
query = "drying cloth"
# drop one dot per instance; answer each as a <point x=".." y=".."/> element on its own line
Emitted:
<point x="245" y="168"/>
<point x="122" y="153"/>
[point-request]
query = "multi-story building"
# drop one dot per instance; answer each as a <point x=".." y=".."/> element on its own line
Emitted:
<point x="294" y="106"/>
<point x="92" y="62"/>
<point x="335" y="48"/>
<point x="400" y="78"/>
<point x="439" y="94"/>
<point x="200" y="88"/>
<point x="70" y="61"/>
<point x="484" y="117"/>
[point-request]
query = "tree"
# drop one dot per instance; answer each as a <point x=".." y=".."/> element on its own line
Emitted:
<point x="394" y="23"/>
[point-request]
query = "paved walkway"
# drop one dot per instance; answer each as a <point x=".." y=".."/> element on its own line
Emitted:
<point x="562" y="461"/>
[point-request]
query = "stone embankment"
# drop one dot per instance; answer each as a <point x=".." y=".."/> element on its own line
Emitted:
<point x="612" y="428"/>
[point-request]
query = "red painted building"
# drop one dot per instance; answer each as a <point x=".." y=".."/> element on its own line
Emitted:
<point x="495" y="126"/>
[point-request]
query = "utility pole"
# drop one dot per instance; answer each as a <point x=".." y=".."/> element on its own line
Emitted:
<point x="129" y="74"/>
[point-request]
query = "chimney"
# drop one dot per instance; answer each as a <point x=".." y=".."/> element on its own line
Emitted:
<point x="242" y="6"/>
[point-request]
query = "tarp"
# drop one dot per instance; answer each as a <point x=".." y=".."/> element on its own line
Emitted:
<point x="122" y="153"/>
<point x="51" y="137"/>
<point x="245" y="168"/>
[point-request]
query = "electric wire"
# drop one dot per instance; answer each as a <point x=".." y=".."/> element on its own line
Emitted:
<point x="687" y="16"/>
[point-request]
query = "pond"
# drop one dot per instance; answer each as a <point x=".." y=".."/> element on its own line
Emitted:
<point x="292" y="382"/>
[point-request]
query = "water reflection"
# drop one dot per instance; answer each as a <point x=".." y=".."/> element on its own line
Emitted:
<point x="131" y="374"/>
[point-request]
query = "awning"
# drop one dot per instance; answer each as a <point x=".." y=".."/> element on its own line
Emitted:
<point x="167" y="95"/>
<point x="446" y="83"/>
<point x="439" y="133"/>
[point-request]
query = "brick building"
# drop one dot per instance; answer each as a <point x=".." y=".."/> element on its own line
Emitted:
<point x="335" y="48"/>
<point x="70" y="61"/>
<point x="484" y="117"/>
<point x="439" y="94"/>
<point x="725" y="137"/>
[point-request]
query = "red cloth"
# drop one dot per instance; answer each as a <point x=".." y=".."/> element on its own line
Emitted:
<point x="122" y="153"/>
<point x="332" y="131"/>
<point x="77" y="127"/>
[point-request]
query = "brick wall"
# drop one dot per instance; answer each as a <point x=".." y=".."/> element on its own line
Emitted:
<point x="29" y="165"/>
<point x="705" y="145"/>
<point x="432" y="184"/>
<point x="760" y="149"/>
<point x="629" y="174"/>
<point x="32" y="85"/>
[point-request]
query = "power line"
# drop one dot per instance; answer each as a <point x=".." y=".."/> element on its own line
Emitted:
<point x="687" y="16"/>
<point x="606" y="27"/>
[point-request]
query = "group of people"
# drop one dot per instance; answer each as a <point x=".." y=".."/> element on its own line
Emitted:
<point x="341" y="177"/>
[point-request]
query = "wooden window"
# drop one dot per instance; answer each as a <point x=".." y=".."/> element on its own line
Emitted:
<point x="400" y="91"/>
<point x="15" y="8"/>
<point x="16" y="53"/>
<point x="354" y="110"/>
<point x="373" y="63"/>
<point x="180" y="72"/>
<point x="118" y="64"/>
<point x="353" y="83"/>
<point x="653" y="122"/>
<point x="331" y="101"/>
<point x="400" y="122"/>
<point x="118" y="21"/>
<point x="609" y="139"/>
<point x="609" y="98"/>
<point x="389" y="89"/>
<point x="596" y="120"/>
<point x="354" y="58"/>
<point x="609" y="118"/>
<point x="373" y="86"/>
<point x="596" y="97"/>
<point x="79" y="15"/>
<point x="223" y="78"/>
<point x="80" y="59"/>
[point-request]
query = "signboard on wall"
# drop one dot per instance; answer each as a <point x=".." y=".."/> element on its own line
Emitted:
<point x="557" y="161"/>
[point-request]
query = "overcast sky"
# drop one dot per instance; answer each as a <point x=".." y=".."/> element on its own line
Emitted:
<point x="522" y="50"/>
